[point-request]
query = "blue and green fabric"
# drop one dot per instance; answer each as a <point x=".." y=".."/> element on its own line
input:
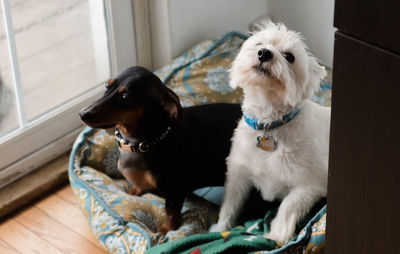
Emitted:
<point x="127" y="224"/>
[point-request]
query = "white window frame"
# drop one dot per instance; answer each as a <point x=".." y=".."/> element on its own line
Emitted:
<point x="51" y="135"/>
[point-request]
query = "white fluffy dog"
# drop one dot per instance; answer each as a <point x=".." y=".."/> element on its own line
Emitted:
<point x="281" y="144"/>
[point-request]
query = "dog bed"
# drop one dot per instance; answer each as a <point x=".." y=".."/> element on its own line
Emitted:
<point x="127" y="224"/>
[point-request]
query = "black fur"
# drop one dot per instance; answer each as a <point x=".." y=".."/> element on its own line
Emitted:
<point x="192" y="155"/>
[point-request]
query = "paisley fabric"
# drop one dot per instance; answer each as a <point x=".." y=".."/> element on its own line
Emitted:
<point x="127" y="224"/>
<point x="121" y="222"/>
<point x="200" y="75"/>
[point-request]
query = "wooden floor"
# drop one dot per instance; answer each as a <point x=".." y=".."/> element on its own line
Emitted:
<point x="53" y="225"/>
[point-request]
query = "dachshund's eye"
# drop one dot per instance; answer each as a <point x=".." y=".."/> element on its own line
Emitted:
<point x="124" y="96"/>
<point x="289" y="57"/>
<point x="106" y="85"/>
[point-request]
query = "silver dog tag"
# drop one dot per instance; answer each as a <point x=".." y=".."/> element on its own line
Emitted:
<point x="266" y="143"/>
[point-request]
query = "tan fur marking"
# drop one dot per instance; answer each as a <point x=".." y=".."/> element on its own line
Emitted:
<point x="142" y="180"/>
<point x="128" y="121"/>
<point x="121" y="90"/>
<point x="110" y="82"/>
<point x="150" y="180"/>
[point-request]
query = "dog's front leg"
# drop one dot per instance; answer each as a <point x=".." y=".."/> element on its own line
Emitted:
<point x="174" y="216"/>
<point x="293" y="207"/>
<point x="133" y="190"/>
<point x="237" y="188"/>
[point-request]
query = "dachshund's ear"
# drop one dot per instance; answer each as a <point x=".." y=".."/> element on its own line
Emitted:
<point x="172" y="110"/>
<point x="172" y="105"/>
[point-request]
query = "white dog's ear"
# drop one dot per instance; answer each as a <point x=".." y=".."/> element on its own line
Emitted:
<point x="317" y="73"/>
<point x="316" y="70"/>
<point x="233" y="84"/>
<point x="233" y="79"/>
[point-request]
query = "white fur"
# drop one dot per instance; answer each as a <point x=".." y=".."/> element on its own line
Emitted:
<point x="296" y="172"/>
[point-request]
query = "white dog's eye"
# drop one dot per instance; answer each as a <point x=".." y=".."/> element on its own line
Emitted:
<point x="289" y="57"/>
<point x="259" y="44"/>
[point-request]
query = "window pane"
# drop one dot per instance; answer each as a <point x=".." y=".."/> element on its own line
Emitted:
<point x="8" y="112"/>
<point x="62" y="50"/>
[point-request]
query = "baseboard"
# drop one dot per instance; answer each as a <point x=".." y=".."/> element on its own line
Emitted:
<point x="34" y="184"/>
<point x="37" y="159"/>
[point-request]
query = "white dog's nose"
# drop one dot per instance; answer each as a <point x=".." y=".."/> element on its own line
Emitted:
<point x="265" y="55"/>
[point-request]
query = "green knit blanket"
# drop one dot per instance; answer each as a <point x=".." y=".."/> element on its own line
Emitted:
<point x="249" y="239"/>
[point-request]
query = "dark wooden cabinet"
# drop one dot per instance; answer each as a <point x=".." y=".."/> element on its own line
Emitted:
<point x="375" y="22"/>
<point x="363" y="212"/>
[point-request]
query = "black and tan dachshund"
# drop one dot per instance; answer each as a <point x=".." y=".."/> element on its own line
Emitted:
<point x="164" y="149"/>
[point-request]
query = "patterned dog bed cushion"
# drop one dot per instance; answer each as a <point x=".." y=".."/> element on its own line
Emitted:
<point x="127" y="224"/>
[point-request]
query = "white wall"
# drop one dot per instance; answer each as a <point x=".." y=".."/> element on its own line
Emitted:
<point x="313" y="18"/>
<point x="179" y="24"/>
<point x="194" y="20"/>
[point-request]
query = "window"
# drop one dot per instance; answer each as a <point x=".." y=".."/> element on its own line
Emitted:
<point x="55" y="55"/>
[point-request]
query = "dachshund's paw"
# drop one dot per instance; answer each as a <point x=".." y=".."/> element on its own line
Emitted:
<point x="163" y="229"/>
<point x="167" y="226"/>
<point x="135" y="191"/>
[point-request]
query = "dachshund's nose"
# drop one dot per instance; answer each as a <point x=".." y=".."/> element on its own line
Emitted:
<point x="85" y="114"/>
<point x="265" y="55"/>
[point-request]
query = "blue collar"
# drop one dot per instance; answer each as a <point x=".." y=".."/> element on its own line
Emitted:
<point x="252" y="122"/>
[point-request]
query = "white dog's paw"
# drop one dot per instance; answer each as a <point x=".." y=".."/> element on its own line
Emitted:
<point x="281" y="237"/>
<point x="219" y="227"/>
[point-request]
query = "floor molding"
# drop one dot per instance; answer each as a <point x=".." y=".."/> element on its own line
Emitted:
<point x="34" y="184"/>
